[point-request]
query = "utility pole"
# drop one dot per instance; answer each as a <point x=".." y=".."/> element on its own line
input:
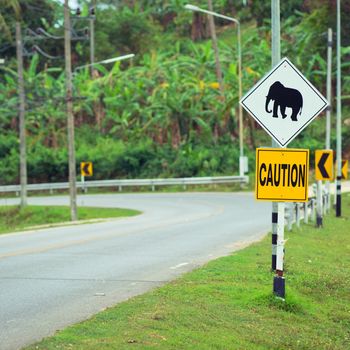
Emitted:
<point x="22" y="132"/>
<point x="329" y="108"/>
<point x="215" y="47"/>
<point x="339" y="148"/>
<point x="279" y="207"/>
<point x="92" y="37"/>
<point x="70" y="117"/>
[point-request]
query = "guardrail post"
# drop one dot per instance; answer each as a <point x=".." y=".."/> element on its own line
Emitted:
<point x="325" y="203"/>
<point x="290" y="216"/>
<point x="51" y="190"/>
<point x="313" y="209"/>
<point x="120" y="188"/>
<point x="319" y="209"/>
<point x="297" y="213"/>
<point x="306" y="212"/>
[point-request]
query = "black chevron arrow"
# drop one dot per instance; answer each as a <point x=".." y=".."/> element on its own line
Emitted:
<point x="86" y="169"/>
<point x="321" y="164"/>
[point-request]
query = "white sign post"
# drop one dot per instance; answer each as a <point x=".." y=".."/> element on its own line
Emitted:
<point x="284" y="102"/>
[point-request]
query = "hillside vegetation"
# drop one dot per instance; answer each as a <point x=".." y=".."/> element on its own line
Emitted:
<point x="161" y="114"/>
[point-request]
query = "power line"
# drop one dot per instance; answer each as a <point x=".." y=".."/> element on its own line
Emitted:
<point x="42" y="52"/>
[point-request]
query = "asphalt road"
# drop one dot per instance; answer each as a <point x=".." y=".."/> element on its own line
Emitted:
<point x="51" y="278"/>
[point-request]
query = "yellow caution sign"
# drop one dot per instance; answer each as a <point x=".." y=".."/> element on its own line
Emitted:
<point x="324" y="165"/>
<point x="86" y="169"/>
<point x="344" y="169"/>
<point x="282" y="174"/>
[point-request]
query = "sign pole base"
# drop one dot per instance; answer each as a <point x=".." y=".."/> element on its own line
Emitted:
<point x="279" y="287"/>
<point x="279" y="281"/>
<point x="83" y="183"/>
<point x="319" y="221"/>
<point x="338" y="196"/>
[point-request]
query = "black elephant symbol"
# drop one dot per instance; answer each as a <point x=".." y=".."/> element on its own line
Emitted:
<point x="284" y="97"/>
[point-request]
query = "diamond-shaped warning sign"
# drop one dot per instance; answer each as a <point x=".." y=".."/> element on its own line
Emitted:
<point x="284" y="102"/>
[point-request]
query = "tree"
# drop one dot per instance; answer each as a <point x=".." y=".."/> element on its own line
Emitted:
<point x="8" y="6"/>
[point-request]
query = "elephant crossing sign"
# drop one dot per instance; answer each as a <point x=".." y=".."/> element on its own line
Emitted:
<point x="284" y="102"/>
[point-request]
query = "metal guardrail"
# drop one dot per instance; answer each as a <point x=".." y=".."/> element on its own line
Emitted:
<point x="184" y="181"/>
<point x="295" y="212"/>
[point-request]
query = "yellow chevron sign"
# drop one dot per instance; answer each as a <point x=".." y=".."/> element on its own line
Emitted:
<point x="86" y="169"/>
<point x="282" y="174"/>
<point x="344" y="169"/>
<point x="324" y="165"/>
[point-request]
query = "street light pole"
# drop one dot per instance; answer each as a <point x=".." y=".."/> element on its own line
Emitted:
<point x="278" y="208"/>
<point x="241" y="166"/>
<point x="239" y="53"/>
<point x="339" y="148"/>
<point x="329" y="108"/>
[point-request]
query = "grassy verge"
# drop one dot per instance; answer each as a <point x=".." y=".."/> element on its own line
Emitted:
<point x="13" y="218"/>
<point x="227" y="304"/>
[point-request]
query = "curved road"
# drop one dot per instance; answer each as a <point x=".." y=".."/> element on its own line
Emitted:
<point x="51" y="278"/>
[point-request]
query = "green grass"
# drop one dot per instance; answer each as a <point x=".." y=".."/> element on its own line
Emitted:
<point x="13" y="218"/>
<point x="228" y="303"/>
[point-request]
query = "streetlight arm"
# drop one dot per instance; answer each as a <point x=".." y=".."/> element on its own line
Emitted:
<point x="109" y="60"/>
<point x="198" y="9"/>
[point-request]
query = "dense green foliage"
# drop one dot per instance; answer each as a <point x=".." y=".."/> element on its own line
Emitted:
<point x="162" y="113"/>
<point x="228" y="303"/>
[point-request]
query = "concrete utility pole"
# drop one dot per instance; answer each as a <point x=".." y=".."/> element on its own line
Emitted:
<point x="22" y="131"/>
<point x="92" y="36"/>
<point x="277" y="208"/>
<point x="329" y="108"/>
<point x="70" y="117"/>
<point x="339" y="139"/>
<point x="215" y="47"/>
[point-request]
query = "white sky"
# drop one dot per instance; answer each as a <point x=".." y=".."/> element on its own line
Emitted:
<point x="73" y="4"/>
